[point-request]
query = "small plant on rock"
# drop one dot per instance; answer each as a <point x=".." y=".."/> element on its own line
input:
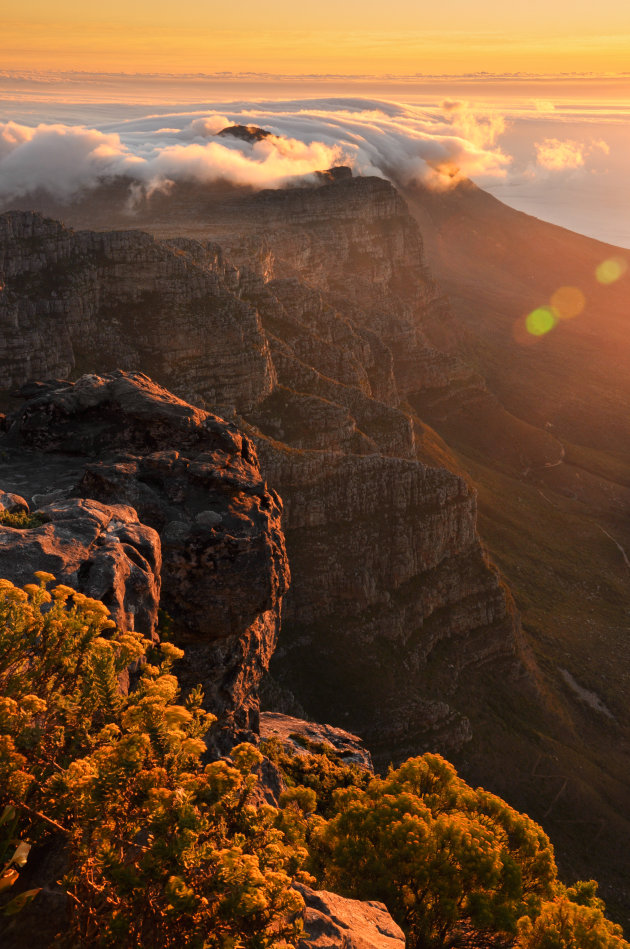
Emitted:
<point x="21" y="520"/>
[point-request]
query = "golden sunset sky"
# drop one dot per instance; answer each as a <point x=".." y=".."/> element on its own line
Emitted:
<point x="349" y="37"/>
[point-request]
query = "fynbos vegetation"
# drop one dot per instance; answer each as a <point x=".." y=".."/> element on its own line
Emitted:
<point x="160" y="850"/>
<point x="163" y="849"/>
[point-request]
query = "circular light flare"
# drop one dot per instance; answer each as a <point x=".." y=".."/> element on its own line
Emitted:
<point x="540" y="321"/>
<point x="611" y="270"/>
<point x="567" y="302"/>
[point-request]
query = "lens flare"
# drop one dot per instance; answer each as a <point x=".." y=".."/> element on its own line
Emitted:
<point x="540" y="321"/>
<point x="609" y="271"/>
<point x="567" y="302"/>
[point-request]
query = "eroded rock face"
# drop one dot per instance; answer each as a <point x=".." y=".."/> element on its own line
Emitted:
<point x="101" y="301"/>
<point x="393" y="609"/>
<point x="100" y="550"/>
<point x="354" y="241"/>
<point x="393" y="605"/>
<point x="297" y="736"/>
<point x="335" y="922"/>
<point x="12" y="503"/>
<point x="143" y="463"/>
<point x="354" y="325"/>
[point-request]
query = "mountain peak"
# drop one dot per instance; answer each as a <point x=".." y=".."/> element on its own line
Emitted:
<point x="247" y="133"/>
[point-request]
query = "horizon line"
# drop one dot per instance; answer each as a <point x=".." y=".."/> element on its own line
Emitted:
<point x="7" y="74"/>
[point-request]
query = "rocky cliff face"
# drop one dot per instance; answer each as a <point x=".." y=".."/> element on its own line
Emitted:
<point x="354" y="241"/>
<point x="394" y="609"/>
<point x="328" y="319"/>
<point x="154" y="493"/>
<point x="101" y="550"/>
<point x="392" y="599"/>
<point x="396" y="625"/>
<point x="72" y="302"/>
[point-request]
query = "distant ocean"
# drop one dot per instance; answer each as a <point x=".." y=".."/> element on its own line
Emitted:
<point x="557" y="148"/>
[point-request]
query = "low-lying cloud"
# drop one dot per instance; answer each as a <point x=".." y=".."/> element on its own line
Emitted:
<point x="64" y="159"/>
<point x="400" y="142"/>
<point x="556" y="155"/>
<point x="481" y="126"/>
<point x="375" y="138"/>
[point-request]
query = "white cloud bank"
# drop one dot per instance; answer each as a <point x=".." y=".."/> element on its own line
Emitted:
<point x="375" y="138"/>
<point x="392" y="140"/>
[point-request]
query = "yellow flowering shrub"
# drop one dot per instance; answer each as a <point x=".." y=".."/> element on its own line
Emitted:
<point x="161" y="849"/>
<point x="165" y="850"/>
<point x="437" y="853"/>
<point x="565" y="924"/>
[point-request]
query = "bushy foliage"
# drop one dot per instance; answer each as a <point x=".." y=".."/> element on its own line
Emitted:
<point x="439" y="853"/>
<point x="21" y="520"/>
<point x="435" y="851"/>
<point x="573" y="920"/>
<point x="321" y="769"/>
<point x="161" y="850"/>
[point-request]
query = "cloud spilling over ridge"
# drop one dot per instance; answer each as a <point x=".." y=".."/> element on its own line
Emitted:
<point x="401" y="142"/>
<point x="481" y="126"/>
<point x="395" y="141"/>
<point x="61" y="159"/>
<point x="64" y="159"/>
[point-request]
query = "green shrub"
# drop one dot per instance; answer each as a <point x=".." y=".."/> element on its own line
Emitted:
<point x="21" y="520"/>
<point x="437" y="853"/>
<point x="165" y="851"/>
<point x="322" y="770"/>
<point x="565" y="924"/>
<point x="161" y="850"/>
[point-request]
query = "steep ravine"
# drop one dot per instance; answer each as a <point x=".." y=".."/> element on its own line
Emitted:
<point x="310" y="316"/>
<point x="386" y="562"/>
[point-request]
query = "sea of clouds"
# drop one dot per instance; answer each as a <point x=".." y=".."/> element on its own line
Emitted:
<point x="403" y="142"/>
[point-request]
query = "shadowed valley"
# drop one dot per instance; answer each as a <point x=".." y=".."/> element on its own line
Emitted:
<point x="366" y="344"/>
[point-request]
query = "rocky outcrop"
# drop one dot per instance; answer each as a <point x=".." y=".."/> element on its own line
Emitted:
<point x="298" y="738"/>
<point x="394" y="610"/>
<point x="101" y="550"/>
<point x="355" y="241"/>
<point x="393" y="607"/>
<point x="139" y="463"/>
<point x="12" y="503"/>
<point x="355" y="326"/>
<point x="335" y="922"/>
<point x="247" y="133"/>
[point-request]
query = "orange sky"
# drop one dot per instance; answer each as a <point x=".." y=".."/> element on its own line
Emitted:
<point x="356" y="36"/>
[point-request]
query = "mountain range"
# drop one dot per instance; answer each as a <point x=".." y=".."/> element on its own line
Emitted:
<point x="455" y="489"/>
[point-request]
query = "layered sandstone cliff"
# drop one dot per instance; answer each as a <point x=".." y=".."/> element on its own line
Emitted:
<point x="326" y="321"/>
<point x="377" y="635"/>
<point x="74" y="302"/>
